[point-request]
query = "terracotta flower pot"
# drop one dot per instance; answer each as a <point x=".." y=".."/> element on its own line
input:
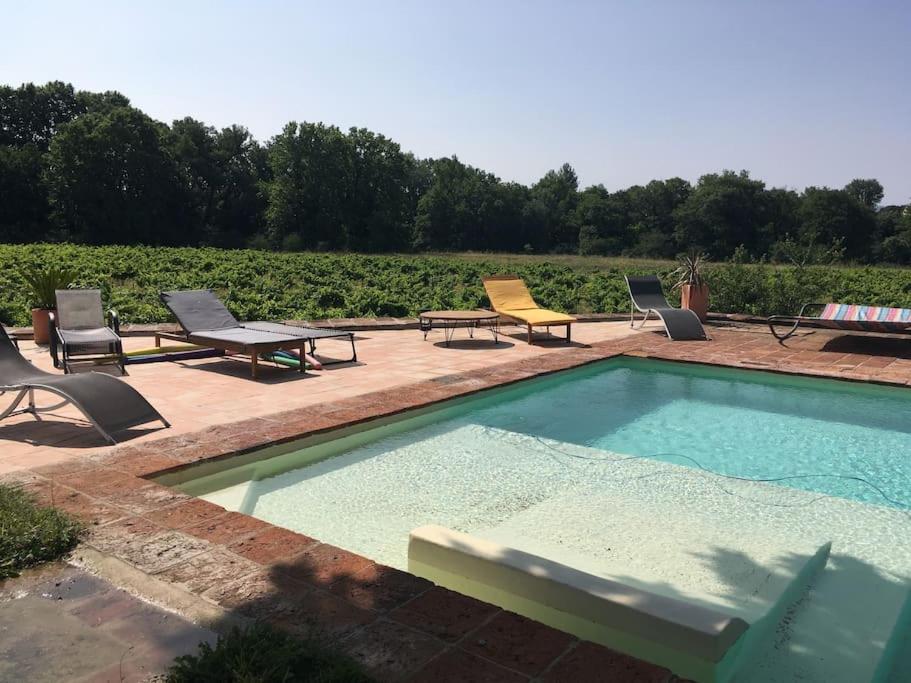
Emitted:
<point x="696" y="299"/>
<point x="41" y="325"/>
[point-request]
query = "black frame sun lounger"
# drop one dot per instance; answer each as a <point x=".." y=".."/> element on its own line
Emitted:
<point x="110" y="404"/>
<point x="647" y="297"/>
<point x="78" y="332"/>
<point x="206" y="322"/>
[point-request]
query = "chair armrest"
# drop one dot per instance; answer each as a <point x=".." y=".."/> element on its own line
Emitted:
<point x="114" y="321"/>
<point x="53" y="341"/>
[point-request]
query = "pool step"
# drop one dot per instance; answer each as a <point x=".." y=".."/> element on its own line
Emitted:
<point x="706" y="640"/>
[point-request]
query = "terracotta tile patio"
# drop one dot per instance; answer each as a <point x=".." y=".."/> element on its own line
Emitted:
<point x="400" y="626"/>
<point x="194" y="395"/>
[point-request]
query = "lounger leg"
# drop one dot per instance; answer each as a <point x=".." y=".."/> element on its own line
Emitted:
<point x="121" y="358"/>
<point x="254" y="358"/>
<point x="157" y="341"/>
<point x="353" y="358"/>
<point x="15" y="404"/>
<point x="529" y="334"/>
<point x="568" y="330"/>
<point x="302" y="368"/>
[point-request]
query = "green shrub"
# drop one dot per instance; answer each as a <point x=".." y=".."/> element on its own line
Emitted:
<point x="259" y="285"/>
<point x="261" y="654"/>
<point x="43" y="283"/>
<point x="31" y="534"/>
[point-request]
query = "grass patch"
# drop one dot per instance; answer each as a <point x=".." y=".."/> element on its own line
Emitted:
<point x="262" y="654"/>
<point x="31" y="534"/>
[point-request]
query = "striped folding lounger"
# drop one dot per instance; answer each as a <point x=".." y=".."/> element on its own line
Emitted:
<point x="848" y="317"/>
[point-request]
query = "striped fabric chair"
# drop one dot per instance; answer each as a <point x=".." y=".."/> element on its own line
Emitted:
<point x="848" y="317"/>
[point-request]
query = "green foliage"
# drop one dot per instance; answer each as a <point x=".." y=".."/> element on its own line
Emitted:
<point x="110" y="180"/>
<point x="260" y="654"/>
<point x="262" y="285"/>
<point x="90" y="168"/>
<point x="31" y="534"/>
<point x="43" y="283"/>
<point x="867" y="191"/>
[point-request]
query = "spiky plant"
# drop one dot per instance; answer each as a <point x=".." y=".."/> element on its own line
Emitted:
<point x="690" y="269"/>
<point x="45" y="281"/>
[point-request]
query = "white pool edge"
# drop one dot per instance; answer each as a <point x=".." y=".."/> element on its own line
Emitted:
<point x="693" y="641"/>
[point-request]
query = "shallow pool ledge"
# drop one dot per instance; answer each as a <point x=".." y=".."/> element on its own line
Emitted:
<point x="691" y="640"/>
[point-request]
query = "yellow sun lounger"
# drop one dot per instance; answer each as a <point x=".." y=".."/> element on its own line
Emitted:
<point x="511" y="299"/>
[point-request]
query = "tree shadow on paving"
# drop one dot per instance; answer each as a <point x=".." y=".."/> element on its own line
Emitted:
<point x="339" y="601"/>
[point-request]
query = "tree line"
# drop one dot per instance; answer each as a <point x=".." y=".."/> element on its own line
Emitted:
<point x="91" y="168"/>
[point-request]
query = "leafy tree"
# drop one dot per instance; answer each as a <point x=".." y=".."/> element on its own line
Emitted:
<point x="723" y="212"/>
<point x="868" y="191"/>
<point x="110" y="181"/>
<point x="220" y="173"/>
<point x="893" y="241"/>
<point x="556" y="195"/>
<point x="31" y="114"/>
<point x="833" y="216"/>
<point x="507" y="228"/>
<point x="88" y="167"/>
<point x="455" y="211"/>
<point x="191" y="143"/>
<point x="310" y="167"/>
<point x="240" y="203"/>
<point x="376" y="201"/>
<point x="604" y="219"/>
<point x="23" y="197"/>
<point x="650" y="211"/>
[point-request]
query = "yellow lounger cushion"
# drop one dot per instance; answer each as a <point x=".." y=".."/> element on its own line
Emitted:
<point x="537" y="316"/>
<point x="509" y="295"/>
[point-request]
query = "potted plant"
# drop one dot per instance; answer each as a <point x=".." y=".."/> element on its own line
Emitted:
<point x="694" y="291"/>
<point x="43" y="283"/>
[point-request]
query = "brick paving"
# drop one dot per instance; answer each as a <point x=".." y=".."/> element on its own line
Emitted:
<point x="400" y="626"/>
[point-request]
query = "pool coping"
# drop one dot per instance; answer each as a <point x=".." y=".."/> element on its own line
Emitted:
<point x="259" y="570"/>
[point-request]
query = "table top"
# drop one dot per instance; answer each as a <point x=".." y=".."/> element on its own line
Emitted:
<point x="460" y="315"/>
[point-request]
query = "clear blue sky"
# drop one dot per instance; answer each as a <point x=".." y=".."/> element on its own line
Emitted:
<point x="797" y="92"/>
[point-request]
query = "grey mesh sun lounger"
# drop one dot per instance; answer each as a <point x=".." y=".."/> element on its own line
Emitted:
<point x="110" y="404"/>
<point x="205" y="321"/>
<point x="79" y="332"/>
<point x="647" y="297"/>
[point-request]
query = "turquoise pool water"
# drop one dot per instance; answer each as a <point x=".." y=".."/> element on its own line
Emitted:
<point x="834" y="438"/>
<point x="805" y="433"/>
<point x="614" y="469"/>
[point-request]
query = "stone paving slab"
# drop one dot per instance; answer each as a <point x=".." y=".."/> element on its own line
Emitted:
<point x="60" y="623"/>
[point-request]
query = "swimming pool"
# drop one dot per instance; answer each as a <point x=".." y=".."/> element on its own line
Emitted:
<point x="640" y="469"/>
